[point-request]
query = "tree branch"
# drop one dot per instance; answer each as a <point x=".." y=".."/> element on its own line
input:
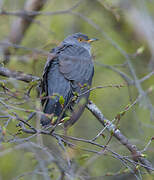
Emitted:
<point x="18" y="75"/>
<point x="21" y="24"/>
<point x="137" y="155"/>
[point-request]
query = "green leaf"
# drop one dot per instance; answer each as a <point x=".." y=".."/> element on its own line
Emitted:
<point x="43" y="94"/>
<point x="61" y="100"/>
<point x="76" y="94"/>
<point x="137" y="167"/>
<point x="105" y="121"/>
<point x="54" y="119"/>
<point x="2" y="84"/>
<point x="33" y="83"/>
<point x="144" y="155"/>
<point x="66" y="118"/>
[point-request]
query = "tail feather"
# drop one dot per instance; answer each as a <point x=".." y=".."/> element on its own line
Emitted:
<point x="45" y="120"/>
<point x="51" y="107"/>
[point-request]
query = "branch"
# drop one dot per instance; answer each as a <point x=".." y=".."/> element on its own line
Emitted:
<point x="137" y="155"/>
<point x="21" y="24"/>
<point x="18" y="75"/>
<point x="122" y="74"/>
<point x="32" y="12"/>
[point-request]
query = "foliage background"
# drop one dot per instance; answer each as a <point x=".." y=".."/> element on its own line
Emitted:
<point x="110" y="21"/>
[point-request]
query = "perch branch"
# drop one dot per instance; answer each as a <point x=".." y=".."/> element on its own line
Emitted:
<point x="137" y="155"/>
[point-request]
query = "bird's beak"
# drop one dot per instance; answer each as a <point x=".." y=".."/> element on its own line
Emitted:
<point x="92" y="40"/>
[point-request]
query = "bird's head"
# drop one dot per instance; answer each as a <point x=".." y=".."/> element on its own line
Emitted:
<point x="80" y="40"/>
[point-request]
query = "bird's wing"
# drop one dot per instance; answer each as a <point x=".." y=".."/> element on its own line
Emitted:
<point x="78" y="68"/>
<point x="43" y="85"/>
<point x="51" y="60"/>
<point x="54" y="85"/>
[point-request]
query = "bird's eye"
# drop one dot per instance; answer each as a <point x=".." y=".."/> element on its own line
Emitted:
<point x="80" y="39"/>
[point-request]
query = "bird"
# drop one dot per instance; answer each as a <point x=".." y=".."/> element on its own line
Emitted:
<point x="66" y="80"/>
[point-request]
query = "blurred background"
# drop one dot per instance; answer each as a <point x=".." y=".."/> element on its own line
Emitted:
<point x="124" y="56"/>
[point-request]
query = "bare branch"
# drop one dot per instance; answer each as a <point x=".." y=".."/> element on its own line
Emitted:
<point x="137" y="155"/>
<point x="21" y="25"/>
<point x="147" y="77"/>
<point x="18" y="75"/>
<point x="16" y="46"/>
<point x="32" y="13"/>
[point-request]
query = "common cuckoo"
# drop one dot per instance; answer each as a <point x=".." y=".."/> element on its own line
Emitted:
<point x="66" y="80"/>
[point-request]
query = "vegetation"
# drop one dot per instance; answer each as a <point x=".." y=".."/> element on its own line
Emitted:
<point x="113" y="139"/>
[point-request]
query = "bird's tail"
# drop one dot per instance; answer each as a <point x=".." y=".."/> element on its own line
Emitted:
<point x="77" y="111"/>
<point x="52" y="108"/>
<point x="45" y="120"/>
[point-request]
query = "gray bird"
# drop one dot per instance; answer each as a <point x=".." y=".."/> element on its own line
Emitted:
<point x="66" y="79"/>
